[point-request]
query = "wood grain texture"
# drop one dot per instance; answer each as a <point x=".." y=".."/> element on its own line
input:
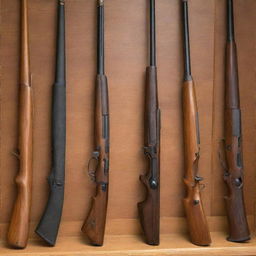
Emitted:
<point x="94" y="224"/>
<point x="132" y="245"/>
<point x="126" y="55"/>
<point x="196" y="218"/>
<point x="234" y="172"/>
<point x="149" y="208"/>
<point x="18" y="232"/>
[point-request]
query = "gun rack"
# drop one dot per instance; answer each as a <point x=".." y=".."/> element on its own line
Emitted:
<point x="126" y="59"/>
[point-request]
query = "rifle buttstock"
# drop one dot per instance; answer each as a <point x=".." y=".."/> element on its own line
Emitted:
<point x="49" y="223"/>
<point x="238" y="226"/>
<point x="19" y="225"/>
<point x="196" y="219"/>
<point x="94" y="225"/>
<point x="149" y="212"/>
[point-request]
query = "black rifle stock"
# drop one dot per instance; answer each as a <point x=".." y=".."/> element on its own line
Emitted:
<point x="49" y="224"/>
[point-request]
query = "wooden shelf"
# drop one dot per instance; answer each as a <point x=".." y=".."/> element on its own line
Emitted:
<point x="172" y="244"/>
<point x="126" y="59"/>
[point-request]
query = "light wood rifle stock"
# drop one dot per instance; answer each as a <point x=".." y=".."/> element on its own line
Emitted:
<point x="197" y="223"/>
<point x="19" y="226"/>
<point x="196" y="219"/>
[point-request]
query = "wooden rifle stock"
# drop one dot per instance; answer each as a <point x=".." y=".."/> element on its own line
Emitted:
<point x="196" y="219"/>
<point x="149" y="209"/>
<point x="94" y="225"/>
<point x="19" y="225"/>
<point x="197" y="223"/>
<point x="238" y="226"/>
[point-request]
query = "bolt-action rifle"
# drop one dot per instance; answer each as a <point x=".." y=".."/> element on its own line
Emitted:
<point x="149" y="209"/>
<point x="233" y="176"/>
<point x="196" y="219"/>
<point x="94" y="225"/>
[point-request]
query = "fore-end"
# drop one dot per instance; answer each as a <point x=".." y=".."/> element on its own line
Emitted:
<point x="233" y="175"/>
<point x="18" y="231"/>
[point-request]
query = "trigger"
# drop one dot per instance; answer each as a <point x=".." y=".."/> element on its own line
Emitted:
<point x="16" y="153"/>
<point x="198" y="178"/>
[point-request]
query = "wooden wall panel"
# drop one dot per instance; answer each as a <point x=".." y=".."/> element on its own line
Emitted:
<point x="126" y="60"/>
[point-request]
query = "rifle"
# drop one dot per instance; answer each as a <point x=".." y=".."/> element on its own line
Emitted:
<point x="49" y="224"/>
<point x="98" y="167"/>
<point x="233" y="176"/>
<point x="196" y="219"/>
<point x="19" y="225"/>
<point x="149" y="209"/>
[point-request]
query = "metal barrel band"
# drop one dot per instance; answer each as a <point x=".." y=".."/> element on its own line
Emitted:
<point x="150" y="151"/>
<point x="103" y="185"/>
<point x="55" y="182"/>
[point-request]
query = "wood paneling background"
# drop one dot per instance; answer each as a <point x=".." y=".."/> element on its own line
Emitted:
<point x="126" y="59"/>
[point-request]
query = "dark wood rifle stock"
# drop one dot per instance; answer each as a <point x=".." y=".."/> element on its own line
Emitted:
<point x="94" y="225"/>
<point x="149" y="209"/>
<point x="19" y="226"/>
<point x="196" y="219"/>
<point x="238" y="226"/>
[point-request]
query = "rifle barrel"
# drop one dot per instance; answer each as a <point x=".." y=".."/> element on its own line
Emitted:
<point x="152" y="34"/>
<point x="231" y="34"/>
<point x="186" y="42"/>
<point x="25" y="63"/>
<point x="100" y="43"/>
<point x="60" y="55"/>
